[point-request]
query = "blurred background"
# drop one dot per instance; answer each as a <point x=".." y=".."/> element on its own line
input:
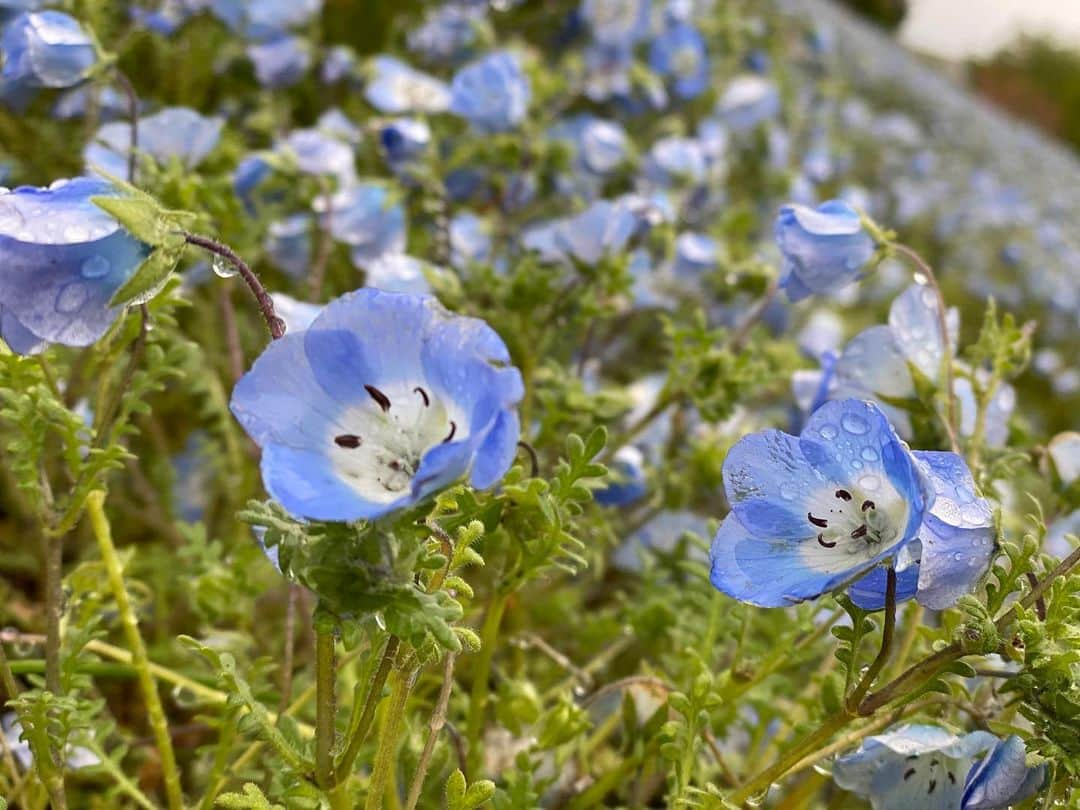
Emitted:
<point x="1022" y="55"/>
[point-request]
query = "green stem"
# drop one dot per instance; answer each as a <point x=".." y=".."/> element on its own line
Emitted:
<point x="54" y="596"/>
<point x="154" y="711"/>
<point x="855" y="698"/>
<point x="478" y="696"/>
<point x="360" y="724"/>
<point x="435" y="726"/>
<point x="325" y="677"/>
<point x="401" y="683"/>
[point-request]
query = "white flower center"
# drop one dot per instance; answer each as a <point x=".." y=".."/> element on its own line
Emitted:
<point x="377" y="446"/>
<point x="850" y="526"/>
<point x="684" y="62"/>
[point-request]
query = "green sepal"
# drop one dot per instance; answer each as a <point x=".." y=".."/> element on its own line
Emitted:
<point x="149" y="278"/>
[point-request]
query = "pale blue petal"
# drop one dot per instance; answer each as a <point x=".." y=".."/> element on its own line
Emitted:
<point x="1002" y="778"/>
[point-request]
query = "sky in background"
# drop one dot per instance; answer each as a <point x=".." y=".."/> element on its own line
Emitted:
<point x="959" y="29"/>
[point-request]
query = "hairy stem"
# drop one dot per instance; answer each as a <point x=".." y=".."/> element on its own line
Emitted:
<point x="855" y="698"/>
<point x="325" y="678"/>
<point x="54" y="597"/>
<point x="401" y="683"/>
<point x="274" y="324"/>
<point x="364" y="713"/>
<point x="154" y="711"/>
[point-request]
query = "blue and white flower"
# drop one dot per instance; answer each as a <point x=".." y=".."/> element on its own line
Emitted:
<point x="747" y="101"/>
<point x="175" y="132"/>
<point x="824" y="249"/>
<point x="61" y="260"/>
<point x="492" y="93"/>
<point x="922" y="766"/>
<point x="280" y="61"/>
<point x="46" y="49"/>
<point x="397" y="88"/>
<point x="368" y="218"/>
<point x="617" y="22"/>
<point x="382" y="401"/>
<point x="812" y="513"/>
<point x="680" y="55"/>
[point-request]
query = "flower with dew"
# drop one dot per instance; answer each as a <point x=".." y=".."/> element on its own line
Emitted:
<point x="923" y="766"/>
<point x="385" y="399"/>
<point x="953" y="547"/>
<point x="814" y="512"/>
<point x="46" y="49"/>
<point x="680" y="55"/>
<point x="881" y="363"/>
<point x="174" y="132"/>
<point x="824" y="248"/>
<point x="397" y="88"/>
<point x="61" y="260"/>
<point x="492" y="93"/>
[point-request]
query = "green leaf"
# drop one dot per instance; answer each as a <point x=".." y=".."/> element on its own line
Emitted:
<point x="149" y="278"/>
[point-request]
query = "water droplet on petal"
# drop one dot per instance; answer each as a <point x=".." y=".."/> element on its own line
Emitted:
<point x="870" y="482"/>
<point x="95" y="267"/>
<point x="788" y="491"/>
<point x="964" y="494"/>
<point x="853" y="423"/>
<point x="870" y="454"/>
<point x="72" y="297"/>
<point x="828" y="432"/>
<point x="222" y="268"/>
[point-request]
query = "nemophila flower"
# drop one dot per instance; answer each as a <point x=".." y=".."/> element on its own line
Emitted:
<point x="298" y="315"/>
<point x="166" y="19"/>
<point x="921" y="766"/>
<point x="600" y="146"/>
<point x="447" y="33"/>
<point x="263" y="19"/>
<point x="404" y="140"/>
<point x="952" y="548"/>
<point x="811" y="513"/>
<point x="491" y="93"/>
<point x="661" y="535"/>
<point x="280" y="61"/>
<point x="824" y="248"/>
<point x="747" y="101"/>
<point x="76" y="757"/>
<point x="676" y="160"/>
<point x="627" y="483"/>
<point x="616" y="22"/>
<point x="603" y="229"/>
<point x="470" y="240"/>
<point x="397" y="88"/>
<point x="680" y="54"/>
<point x="46" y="49"/>
<point x="173" y="133"/>
<point x="316" y="152"/>
<point x="339" y="64"/>
<point x="607" y="71"/>
<point x="368" y="218"/>
<point x="695" y="253"/>
<point x="881" y="362"/>
<point x="1064" y="452"/>
<point x="61" y="260"/>
<point x="288" y="244"/>
<point x="382" y="401"/>
<point x="108" y="103"/>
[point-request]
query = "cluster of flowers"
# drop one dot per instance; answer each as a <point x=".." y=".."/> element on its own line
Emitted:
<point x="381" y="398"/>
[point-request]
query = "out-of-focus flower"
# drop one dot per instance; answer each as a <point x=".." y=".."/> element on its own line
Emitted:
<point x="46" y="49"/>
<point x="680" y="55"/>
<point x="492" y="93"/>
<point x="824" y="248"/>
<point x="280" y="61"/>
<point x="397" y="88"/>
<point x="175" y="132"/>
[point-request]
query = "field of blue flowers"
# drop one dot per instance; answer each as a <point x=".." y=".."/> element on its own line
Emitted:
<point x="511" y="404"/>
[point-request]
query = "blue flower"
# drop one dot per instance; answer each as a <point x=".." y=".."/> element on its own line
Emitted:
<point x="492" y="93"/>
<point x="954" y="545"/>
<point x="175" y="132"/>
<point x="315" y="152"/>
<point x="281" y="61"/>
<point x="264" y="19"/>
<point x="809" y="514"/>
<point x="920" y="766"/>
<point x="61" y="260"/>
<point x="607" y="69"/>
<point x="616" y="22"/>
<point x="675" y="161"/>
<point x="447" y="34"/>
<point x="46" y="49"/>
<point x="680" y="54"/>
<point x="338" y="64"/>
<point x="470" y="240"/>
<point x="108" y="103"/>
<point x="695" y="253"/>
<point x="368" y="219"/>
<point x="288" y="244"/>
<point x="384" y="400"/>
<point x="404" y="139"/>
<point x="602" y="229"/>
<point x="398" y="272"/>
<point x="298" y="315"/>
<point x="600" y="146"/>
<point x="747" y="101"/>
<point x="397" y="88"/>
<point x="627" y="485"/>
<point x="823" y="248"/>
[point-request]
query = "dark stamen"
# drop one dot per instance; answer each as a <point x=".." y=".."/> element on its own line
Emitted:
<point x="395" y="464"/>
<point x="422" y="393"/>
<point x="843" y="494"/>
<point x="821" y="539"/>
<point x="868" y="505"/>
<point x="933" y="784"/>
<point x="380" y="398"/>
<point x="860" y="532"/>
<point x="821" y="523"/>
<point x="348" y="440"/>
<point x="952" y="778"/>
<point x="453" y="430"/>
<point x="910" y="772"/>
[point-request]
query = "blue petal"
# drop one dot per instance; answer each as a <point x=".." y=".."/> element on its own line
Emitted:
<point x="765" y="573"/>
<point x="496" y="455"/>
<point x="869" y="592"/>
<point x="18" y="338"/>
<point x="1002" y="778"/>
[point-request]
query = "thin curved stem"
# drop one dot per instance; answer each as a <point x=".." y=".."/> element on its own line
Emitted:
<point x="274" y="324"/>
<point x="887" y="631"/>
<point x="478" y="697"/>
<point x="947" y="349"/>
<point x="435" y="726"/>
<point x="124" y="83"/>
<point x="360" y="725"/>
